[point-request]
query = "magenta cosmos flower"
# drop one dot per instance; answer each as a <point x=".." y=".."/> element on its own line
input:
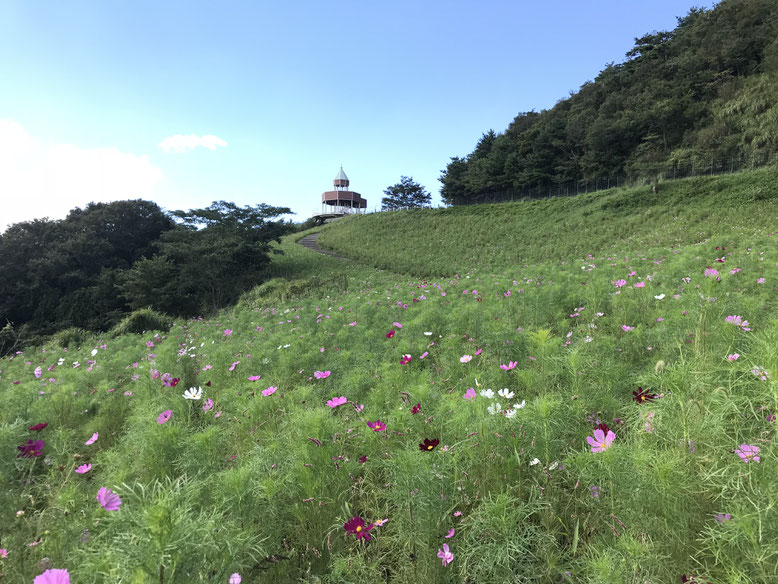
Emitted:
<point x="445" y="555"/>
<point x="601" y="441"/>
<point x="337" y="401"/>
<point x="321" y="374"/>
<point x="108" y="500"/>
<point x="470" y="394"/>
<point x="31" y="449"/>
<point x="377" y="426"/>
<point x="53" y="577"/>
<point x="406" y="359"/>
<point x="38" y="427"/>
<point x="164" y="416"/>
<point x="509" y="366"/>
<point x="356" y="526"/>
<point x="84" y="468"/>
<point x="747" y="453"/>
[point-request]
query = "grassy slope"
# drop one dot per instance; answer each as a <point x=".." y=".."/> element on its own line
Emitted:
<point x="443" y="241"/>
<point x="249" y="492"/>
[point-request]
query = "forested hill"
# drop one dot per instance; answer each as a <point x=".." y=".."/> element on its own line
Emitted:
<point x="707" y="89"/>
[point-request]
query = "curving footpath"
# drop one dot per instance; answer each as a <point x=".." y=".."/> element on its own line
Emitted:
<point x="309" y="241"/>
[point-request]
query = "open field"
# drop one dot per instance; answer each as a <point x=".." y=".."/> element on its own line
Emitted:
<point x="569" y="390"/>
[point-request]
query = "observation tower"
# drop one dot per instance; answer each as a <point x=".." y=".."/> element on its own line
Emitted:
<point x="342" y="201"/>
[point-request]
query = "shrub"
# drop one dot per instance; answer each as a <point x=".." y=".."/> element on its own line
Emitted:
<point x="70" y="336"/>
<point x="144" y="319"/>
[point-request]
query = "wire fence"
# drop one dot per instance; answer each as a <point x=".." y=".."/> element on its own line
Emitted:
<point x="647" y="175"/>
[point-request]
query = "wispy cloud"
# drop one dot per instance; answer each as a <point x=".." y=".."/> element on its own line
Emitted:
<point x="40" y="179"/>
<point x="179" y="143"/>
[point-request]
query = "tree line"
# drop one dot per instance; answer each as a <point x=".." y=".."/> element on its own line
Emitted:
<point x="101" y="262"/>
<point x="706" y="89"/>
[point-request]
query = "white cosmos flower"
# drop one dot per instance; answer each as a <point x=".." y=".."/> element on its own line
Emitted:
<point x="487" y="393"/>
<point x="494" y="408"/>
<point x="429" y="333"/>
<point x="94" y="352"/>
<point x="61" y="361"/>
<point x="534" y="461"/>
<point x="521" y="405"/>
<point x="510" y="413"/>
<point x="659" y="297"/>
<point x="553" y="465"/>
<point x="506" y="393"/>
<point x="193" y="393"/>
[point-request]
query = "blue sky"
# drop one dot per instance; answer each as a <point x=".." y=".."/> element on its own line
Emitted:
<point x="286" y="91"/>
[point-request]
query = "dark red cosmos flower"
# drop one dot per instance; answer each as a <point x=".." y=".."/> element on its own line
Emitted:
<point x="415" y="409"/>
<point x="415" y="299"/>
<point x="174" y="381"/>
<point x="208" y="383"/>
<point x="642" y="395"/>
<point x="390" y="334"/>
<point x="31" y="449"/>
<point x="604" y="427"/>
<point x="38" y="427"/>
<point x="429" y="444"/>
<point x="479" y="299"/>
<point x="356" y="526"/>
<point x="362" y="459"/>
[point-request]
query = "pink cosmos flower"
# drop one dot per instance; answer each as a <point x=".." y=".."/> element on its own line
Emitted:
<point x="747" y="453"/>
<point x="38" y="372"/>
<point x="93" y="439"/>
<point x="227" y="332"/>
<point x="450" y="533"/>
<point x="626" y="328"/>
<point x="337" y="401"/>
<point x="509" y="366"/>
<point x="470" y="393"/>
<point x="465" y="358"/>
<point x="108" y="500"/>
<point x="234" y="365"/>
<point x="54" y="576"/>
<point x="620" y="283"/>
<point x="269" y="391"/>
<point x="424" y="354"/>
<point x="733" y="356"/>
<point x="321" y="374"/>
<point x="397" y="324"/>
<point x="207" y="405"/>
<point x="760" y="281"/>
<point x="640" y="285"/>
<point x="507" y="294"/>
<point x="377" y="426"/>
<point x="711" y="272"/>
<point x="235" y="579"/>
<point x="445" y="554"/>
<point x="353" y="323"/>
<point x="3" y="553"/>
<point x="600" y="441"/>
<point x="84" y="468"/>
<point x="255" y="377"/>
<point x="164" y="416"/>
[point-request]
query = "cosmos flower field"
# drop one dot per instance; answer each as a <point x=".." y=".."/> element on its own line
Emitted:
<point x="600" y="417"/>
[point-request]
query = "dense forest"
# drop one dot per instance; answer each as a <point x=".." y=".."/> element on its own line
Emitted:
<point x="90" y="269"/>
<point x="706" y="90"/>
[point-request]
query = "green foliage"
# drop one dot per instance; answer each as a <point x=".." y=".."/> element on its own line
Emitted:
<point x="72" y="336"/>
<point x="406" y="194"/>
<point x="705" y="90"/>
<point x="143" y="320"/>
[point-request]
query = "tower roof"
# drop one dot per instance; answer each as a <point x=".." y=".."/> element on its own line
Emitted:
<point x="341" y="175"/>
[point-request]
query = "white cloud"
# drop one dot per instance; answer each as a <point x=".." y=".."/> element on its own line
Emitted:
<point x="40" y="179"/>
<point x="179" y="143"/>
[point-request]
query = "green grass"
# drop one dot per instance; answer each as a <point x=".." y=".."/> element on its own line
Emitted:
<point x="265" y="488"/>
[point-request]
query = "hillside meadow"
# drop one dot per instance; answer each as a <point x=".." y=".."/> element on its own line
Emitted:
<point x="573" y="390"/>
